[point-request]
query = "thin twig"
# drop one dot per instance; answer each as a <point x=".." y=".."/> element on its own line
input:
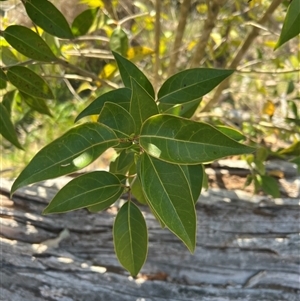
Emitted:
<point x="121" y="22"/>
<point x="268" y="72"/>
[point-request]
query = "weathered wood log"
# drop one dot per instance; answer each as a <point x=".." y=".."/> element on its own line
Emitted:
<point x="247" y="249"/>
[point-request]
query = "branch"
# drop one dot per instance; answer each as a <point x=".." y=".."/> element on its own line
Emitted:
<point x="209" y="24"/>
<point x="184" y="11"/>
<point x="241" y="53"/>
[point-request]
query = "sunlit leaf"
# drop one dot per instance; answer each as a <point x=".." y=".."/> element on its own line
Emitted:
<point x="74" y="150"/>
<point x="83" y="22"/>
<point x="38" y="104"/>
<point x="168" y="191"/>
<point x="29" y="82"/>
<point x="86" y="190"/>
<point x="291" y="27"/>
<point x="120" y="96"/>
<point x="142" y="105"/>
<point x="137" y="53"/>
<point x="117" y="119"/>
<point x="44" y="14"/>
<point x="118" y="41"/>
<point x="28" y="43"/>
<point x="178" y="140"/>
<point x="8" y="57"/>
<point x="131" y="238"/>
<point x="189" y="85"/>
<point x="128" y="70"/>
<point x="7" y="129"/>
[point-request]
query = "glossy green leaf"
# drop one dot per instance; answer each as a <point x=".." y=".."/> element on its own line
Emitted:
<point x="230" y="132"/>
<point x="44" y="14"/>
<point x="86" y="190"/>
<point x="186" y="110"/>
<point x="122" y="163"/>
<point x="29" y="82"/>
<point x="142" y="105"/>
<point x="7" y="129"/>
<point x="291" y="25"/>
<point x="178" y="140"/>
<point x="38" y="104"/>
<point x="28" y="43"/>
<point x="269" y="185"/>
<point x="120" y="96"/>
<point x="292" y="150"/>
<point x="131" y="238"/>
<point x="74" y="150"/>
<point x="189" y="85"/>
<point x="83" y="22"/>
<point x="166" y="187"/>
<point x="118" y="41"/>
<point x="118" y="119"/>
<point x="128" y="69"/>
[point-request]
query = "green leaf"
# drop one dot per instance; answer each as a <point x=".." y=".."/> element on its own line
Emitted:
<point x="7" y="56"/>
<point x="137" y="191"/>
<point x="142" y="105"/>
<point x="118" y="41"/>
<point x="38" y="104"/>
<point x="83" y="22"/>
<point x="110" y="201"/>
<point x="8" y="100"/>
<point x="74" y="150"/>
<point x="291" y="27"/>
<point x="189" y="85"/>
<point x="269" y="185"/>
<point x="167" y="190"/>
<point x="122" y="163"/>
<point x="119" y="96"/>
<point x="194" y="176"/>
<point x="186" y="110"/>
<point x="178" y="140"/>
<point x="293" y="149"/>
<point x="44" y="14"/>
<point x="28" y="43"/>
<point x="131" y="238"/>
<point x="296" y="160"/>
<point x="93" y="188"/>
<point x="118" y="119"/>
<point x="7" y="129"/>
<point x="3" y="79"/>
<point x="29" y="82"/>
<point x="230" y="132"/>
<point x="128" y="69"/>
